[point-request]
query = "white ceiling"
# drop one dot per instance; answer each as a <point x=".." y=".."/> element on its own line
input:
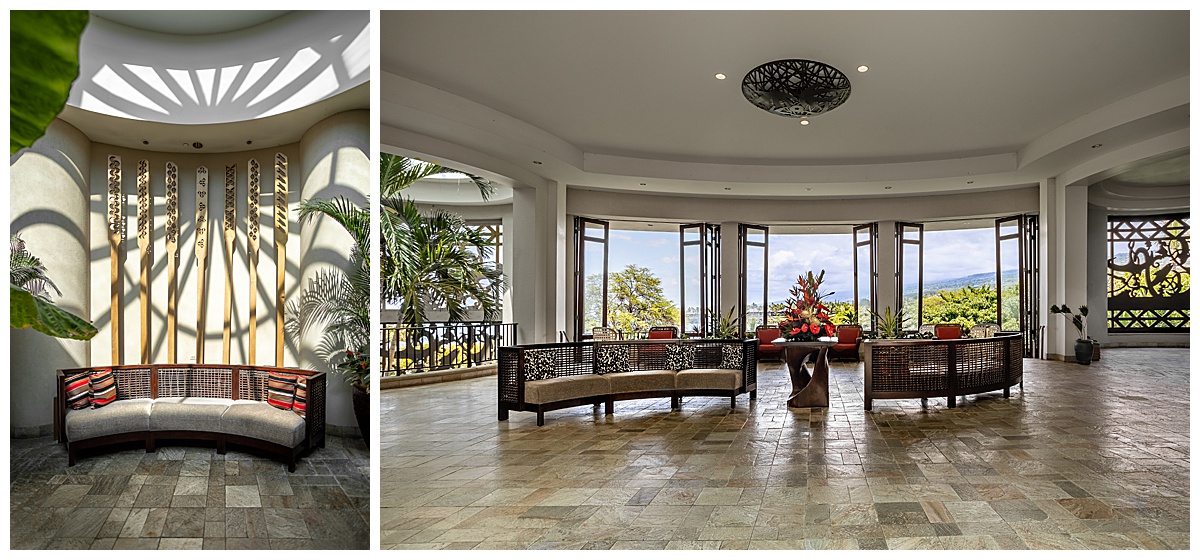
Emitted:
<point x="189" y="22"/>
<point x="615" y="99"/>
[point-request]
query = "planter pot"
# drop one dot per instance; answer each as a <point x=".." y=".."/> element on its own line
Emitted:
<point x="362" y="412"/>
<point x="1083" y="351"/>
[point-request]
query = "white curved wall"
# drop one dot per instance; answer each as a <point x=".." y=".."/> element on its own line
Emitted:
<point x="48" y="197"/>
<point x="334" y="161"/>
<point x="278" y="66"/>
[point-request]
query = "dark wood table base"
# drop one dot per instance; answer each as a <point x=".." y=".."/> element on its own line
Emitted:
<point x="808" y="389"/>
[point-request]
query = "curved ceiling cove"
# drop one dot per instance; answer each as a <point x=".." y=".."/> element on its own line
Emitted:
<point x="944" y="101"/>
<point x="278" y="64"/>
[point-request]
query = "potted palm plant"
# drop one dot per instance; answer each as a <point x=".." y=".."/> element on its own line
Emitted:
<point x="1083" y="344"/>
<point x="340" y="300"/>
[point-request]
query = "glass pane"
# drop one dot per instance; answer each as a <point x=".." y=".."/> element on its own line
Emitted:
<point x="593" y="295"/>
<point x="864" y="285"/>
<point x="911" y="289"/>
<point x="1010" y="295"/>
<point x="691" y="288"/>
<point x="755" y="284"/>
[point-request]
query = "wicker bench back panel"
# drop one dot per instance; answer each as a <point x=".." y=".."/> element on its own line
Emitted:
<point x="132" y="383"/>
<point x="508" y="374"/>
<point x="909" y="368"/>
<point x="253" y="384"/>
<point x="980" y="365"/>
<point x="1016" y="365"/>
<point x="215" y="382"/>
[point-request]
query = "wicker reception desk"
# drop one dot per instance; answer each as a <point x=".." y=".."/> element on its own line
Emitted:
<point x="925" y="368"/>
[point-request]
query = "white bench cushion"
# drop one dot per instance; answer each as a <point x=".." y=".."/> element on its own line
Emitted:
<point x="118" y="417"/>
<point x="722" y="379"/>
<point x="260" y="420"/>
<point x="198" y="414"/>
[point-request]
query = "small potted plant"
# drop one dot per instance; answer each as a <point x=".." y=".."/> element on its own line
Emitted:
<point x="1083" y="344"/>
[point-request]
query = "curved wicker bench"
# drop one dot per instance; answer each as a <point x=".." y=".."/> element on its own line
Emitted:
<point x="222" y="404"/>
<point x="924" y="368"/>
<point x="544" y="377"/>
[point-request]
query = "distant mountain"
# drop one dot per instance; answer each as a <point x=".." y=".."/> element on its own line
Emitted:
<point x="1007" y="278"/>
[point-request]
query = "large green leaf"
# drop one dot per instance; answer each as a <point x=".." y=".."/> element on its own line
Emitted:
<point x="43" y="62"/>
<point x="26" y="310"/>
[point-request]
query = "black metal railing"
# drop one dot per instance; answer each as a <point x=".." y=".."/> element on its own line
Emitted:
<point x="425" y="347"/>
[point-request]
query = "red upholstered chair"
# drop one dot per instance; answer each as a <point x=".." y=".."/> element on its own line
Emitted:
<point x="846" y="347"/>
<point x="662" y="332"/>
<point x="947" y="330"/>
<point x="765" y="334"/>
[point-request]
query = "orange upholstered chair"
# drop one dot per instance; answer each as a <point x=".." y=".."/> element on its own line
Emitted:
<point x="662" y="332"/>
<point x="947" y="330"/>
<point x="846" y="347"/>
<point x="765" y="334"/>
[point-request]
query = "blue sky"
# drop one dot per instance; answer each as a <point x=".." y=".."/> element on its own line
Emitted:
<point x="948" y="254"/>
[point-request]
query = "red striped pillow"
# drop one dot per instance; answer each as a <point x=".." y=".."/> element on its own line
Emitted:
<point x="104" y="388"/>
<point x="79" y="390"/>
<point x="300" y="403"/>
<point x="281" y="390"/>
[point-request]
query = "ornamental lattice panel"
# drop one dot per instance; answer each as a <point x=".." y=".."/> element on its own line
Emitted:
<point x="1149" y="274"/>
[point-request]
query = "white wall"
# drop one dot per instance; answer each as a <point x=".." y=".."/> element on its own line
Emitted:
<point x="48" y="197"/>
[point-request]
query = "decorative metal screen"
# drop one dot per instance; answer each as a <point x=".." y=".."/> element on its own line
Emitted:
<point x="1149" y="274"/>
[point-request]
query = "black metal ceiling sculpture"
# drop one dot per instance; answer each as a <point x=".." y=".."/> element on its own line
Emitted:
<point x="796" y="88"/>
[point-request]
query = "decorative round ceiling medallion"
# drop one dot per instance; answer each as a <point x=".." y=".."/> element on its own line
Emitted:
<point x="796" y="88"/>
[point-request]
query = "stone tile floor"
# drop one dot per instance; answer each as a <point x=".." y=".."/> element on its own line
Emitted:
<point x="189" y="498"/>
<point x="1086" y="457"/>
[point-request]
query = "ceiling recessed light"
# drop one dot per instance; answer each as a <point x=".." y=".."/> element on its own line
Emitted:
<point x="887" y="187"/>
<point x="970" y="182"/>
<point x="536" y="162"/>
<point x="728" y="188"/>
<point x="642" y="184"/>
<point x="1094" y="146"/>
<point x="804" y="122"/>
<point x="720" y="76"/>
<point x="197" y="145"/>
<point x="862" y="68"/>
<point x="248" y="142"/>
<point x="145" y="142"/>
<point x="809" y="189"/>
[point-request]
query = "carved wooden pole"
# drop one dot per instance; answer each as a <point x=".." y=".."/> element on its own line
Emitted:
<point x="281" y="235"/>
<point x="201" y="257"/>
<point x="253" y="186"/>
<point x="145" y="232"/>
<point x="116" y="232"/>
<point x="230" y="228"/>
<point x="172" y="260"/>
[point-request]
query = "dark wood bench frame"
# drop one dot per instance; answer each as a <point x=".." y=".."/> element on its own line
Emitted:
<point x="202" y="380"/>
<point x="576" y="358"/>
<point x="952" y="367"/>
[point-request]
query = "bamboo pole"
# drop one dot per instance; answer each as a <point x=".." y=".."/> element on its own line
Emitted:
<point x="172" y="260"/>
<point x="116" y="232"/>
<point x="201" y="257"/>
<point x="145" y="233"/>
<point x="253" y="186"/>
<point x="281" y="235"/>
<point x="230" y="228"/>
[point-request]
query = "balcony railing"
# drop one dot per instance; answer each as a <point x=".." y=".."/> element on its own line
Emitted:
<point x="440" y="346"/>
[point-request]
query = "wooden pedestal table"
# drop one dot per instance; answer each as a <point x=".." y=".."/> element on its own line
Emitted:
<point x="808" y="389"/>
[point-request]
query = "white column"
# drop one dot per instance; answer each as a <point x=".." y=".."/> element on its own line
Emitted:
<point x="1063" y="241"/>
<point x="506" y="299"/>
<point x="49" y="206"/>
<point x="335" y="161"/>
<point x="539" y="280"/>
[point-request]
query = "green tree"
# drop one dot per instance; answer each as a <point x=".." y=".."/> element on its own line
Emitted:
<point x="965" y="306"/>
<point x="636" y="301"/>
<point x="29" y="298"/>
<point x="434" y="259"/>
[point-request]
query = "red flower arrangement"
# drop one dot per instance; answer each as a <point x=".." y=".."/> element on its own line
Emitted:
<point x="806" y="318"/>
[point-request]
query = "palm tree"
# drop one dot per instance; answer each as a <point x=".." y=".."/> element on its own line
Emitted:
<point x="339" y="299"/>
<point x="29" y="298"/>
<point x="435" y="259"/>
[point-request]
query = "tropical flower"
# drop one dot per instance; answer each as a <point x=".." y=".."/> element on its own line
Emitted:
<point x="807" y="318"/>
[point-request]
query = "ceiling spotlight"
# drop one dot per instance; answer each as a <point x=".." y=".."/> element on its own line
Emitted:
<point x="720" y="76"/>
<point x="145" y="142"/>
<point x="536" y="162"/>
<point x="809" y="189"/>
<point x="887" y="187"/>
<point x="1094" y="146"/>
<point x="862" y="68"/>
<point x="248" y="142"/>
<point x="970" y="182"/>
<point x="804" y="122"/>
<point x="642" y="184"/>
<point x="728" y="188"/>
<point x="197" y="145"/>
